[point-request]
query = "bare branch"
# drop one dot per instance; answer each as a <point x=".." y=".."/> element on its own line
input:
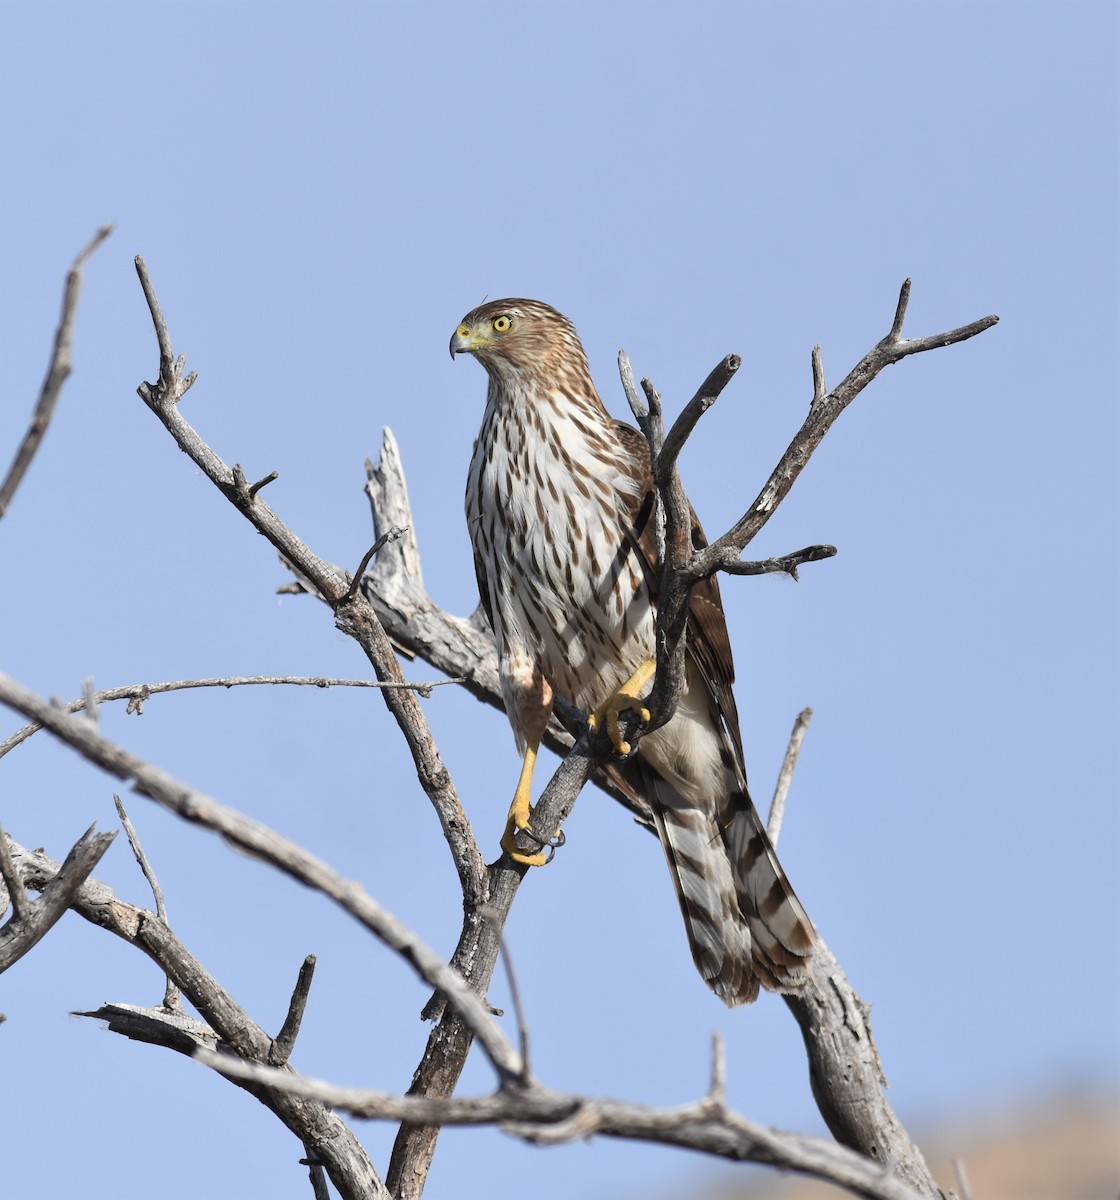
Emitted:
<point x="630" y="388"/>
<point x="716" y="1099"/>
<point x="962" y="1179"/>
<point x="785" y="564"/>
<point x="58" y="371"/>
<point x="900" y="311"/>
<point x="137" y="693"/>
<point x="538" y="1114"/>
<point x="389" y="535"/>
<point x="785" y="775"/>
<point x="487" y="913"/>
<point x="13" y="883"/>
<point x="171" y="992"/>
<point x="819" y="389"/>
<point x="708" y="393"/>
<point x="285" y="1040"/>
<point x="30" y="923"/>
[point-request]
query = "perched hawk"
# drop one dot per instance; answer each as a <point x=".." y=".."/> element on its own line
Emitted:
<point x="559" y="503"/>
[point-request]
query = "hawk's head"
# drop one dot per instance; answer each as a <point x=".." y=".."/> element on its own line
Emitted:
<point x="512" y="337"/>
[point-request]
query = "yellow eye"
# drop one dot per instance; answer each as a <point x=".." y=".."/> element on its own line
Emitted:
<point x="502" y="323"/>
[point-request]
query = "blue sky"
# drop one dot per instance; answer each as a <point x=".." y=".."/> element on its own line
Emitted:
<point x="320" y="193"/>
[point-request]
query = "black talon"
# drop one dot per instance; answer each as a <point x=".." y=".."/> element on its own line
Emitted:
<point x="551" y="844"/>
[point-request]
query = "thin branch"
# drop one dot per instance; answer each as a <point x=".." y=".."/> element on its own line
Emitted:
<point x="285" y="1040"/>
<point x="58" y="371"/>
<point x="962" y="1179"/>
<point x="21" y="902"/>
<point x="318" y="1179"/>
<point x="538" y="1114"/>
<point x="819" y="388"/>
<point x="900" y="312"/>
<point x="27" y="928"/>
<point x="137" y="693"/>
<point x="390" y="535"/>
<point x="784" y="564"/>
<point x="785" y="775"/>
<point x="716" y="1099"/>
<point x="707" y="394"/>
<point x="489" y="914"/>
<point x="630" y="388"/>
<point x="170" y="992"/>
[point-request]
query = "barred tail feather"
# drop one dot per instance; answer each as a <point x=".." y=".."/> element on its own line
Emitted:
<point x="781" y="933"/>
<point x="718" y="937"/>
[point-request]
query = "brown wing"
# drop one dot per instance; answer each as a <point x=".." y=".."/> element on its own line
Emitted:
<point x="483" y="589"/>
<point x="708" y="643"/>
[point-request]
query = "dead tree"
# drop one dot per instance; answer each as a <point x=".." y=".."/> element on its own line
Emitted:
<point x="384" y="606"/>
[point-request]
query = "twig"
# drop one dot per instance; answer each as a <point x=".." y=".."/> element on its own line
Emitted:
<point x="137" y="693"/>
<point x="962" y="1178"/>
<point x="318" y="1179"/>
<point x="390" y="535"/>
<point x="707" y="394"/>
<point x="58" y="370"/>
<point x="21" y="902"/>
<point x="489" y="914"/>
<point x="285" y="1040"/>
<point x="716" y="1099"/>
<point x="819" y="389"/>
<point x="630" y="388"/>
<point x="170" y="992"/>
<point x="785" y="564"/>
<point x="785" y="775"/>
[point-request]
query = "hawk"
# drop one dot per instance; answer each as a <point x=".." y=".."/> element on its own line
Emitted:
<point x="559" y="502"/>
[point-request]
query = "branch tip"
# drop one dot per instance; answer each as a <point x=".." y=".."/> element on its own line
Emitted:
<point x="900" y="312"/>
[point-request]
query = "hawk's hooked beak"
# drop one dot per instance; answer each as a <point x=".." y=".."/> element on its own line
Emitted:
<point x="463" y="341"/>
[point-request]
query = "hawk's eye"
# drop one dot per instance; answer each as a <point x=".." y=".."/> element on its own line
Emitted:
<point x="502" y="323"/>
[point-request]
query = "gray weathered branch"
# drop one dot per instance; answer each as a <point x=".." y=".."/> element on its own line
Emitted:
<point x="58" y="371"/>
<point x="138" y="693"/>
<point x="537" y="1114"/>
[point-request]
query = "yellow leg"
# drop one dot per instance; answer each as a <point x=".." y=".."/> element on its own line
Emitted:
<point x="521" y="813"/>
<point x="625" y="698"/>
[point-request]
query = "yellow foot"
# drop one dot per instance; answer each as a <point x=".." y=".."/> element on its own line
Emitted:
<point x="521" y="816"/>
<point x="625" y="698"/>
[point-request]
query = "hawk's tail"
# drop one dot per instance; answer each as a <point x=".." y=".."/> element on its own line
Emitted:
<point x="745" y="925"/>
<point x="782" y="936"/>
